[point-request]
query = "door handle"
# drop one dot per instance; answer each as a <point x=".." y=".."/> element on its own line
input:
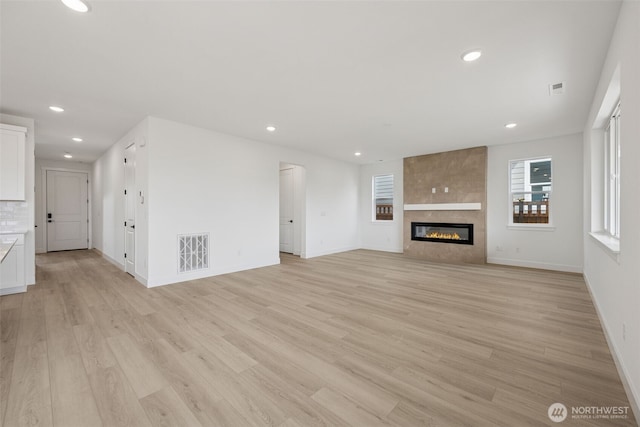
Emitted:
<point x="49" y="215"/>
<point x="49" y="220"/>
<point x="291" y="221"/>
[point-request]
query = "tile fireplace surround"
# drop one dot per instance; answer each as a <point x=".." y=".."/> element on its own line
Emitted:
<point x="464" y="174"/>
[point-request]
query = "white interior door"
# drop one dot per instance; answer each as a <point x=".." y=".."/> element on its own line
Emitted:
<point x="130" y="209"/>
<point x="67" y="211"/>
<point x="286" y="210"/>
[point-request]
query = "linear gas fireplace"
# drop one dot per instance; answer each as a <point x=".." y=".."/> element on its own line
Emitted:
<point x="442" y="232"/>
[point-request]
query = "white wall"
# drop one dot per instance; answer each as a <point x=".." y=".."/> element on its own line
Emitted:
<point x="615" y="285"/>
<point x="97" y="202"/>
<point x="559" y="248"/>
<point x="107" y="204"/>
<point x="204" y="181"/>
<point x="41" y="200"/>
<point x="25" y="211"/>
<point x="381" y="235"/>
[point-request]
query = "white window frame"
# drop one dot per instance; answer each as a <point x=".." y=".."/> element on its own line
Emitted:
<point x="373" y="199"/>
<point x="527" y="184"/>
<point x="612" y="157"/>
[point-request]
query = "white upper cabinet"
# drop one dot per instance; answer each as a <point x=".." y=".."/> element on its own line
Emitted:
<point x="12" y="162"/>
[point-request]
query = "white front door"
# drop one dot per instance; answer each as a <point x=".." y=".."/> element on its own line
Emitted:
<point x="67" y="211"/>
<point x="130" y="209"/>
<point x="286" y="210"/>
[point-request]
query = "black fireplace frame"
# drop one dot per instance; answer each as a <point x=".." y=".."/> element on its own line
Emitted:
<point x="442" y="224"/>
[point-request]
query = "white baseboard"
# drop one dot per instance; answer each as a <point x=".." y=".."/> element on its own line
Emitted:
<point x="383" y="249"/>
<point x="163" y="281"/>
<point x="138" y="277"/>
<point x="141" y="279"/>
<point x="14" y="290"/>
<point x="538" y="265"/>
<point x="330" y="252"/>
<point x="632" y="393"/>
<point x="111" y="260"/>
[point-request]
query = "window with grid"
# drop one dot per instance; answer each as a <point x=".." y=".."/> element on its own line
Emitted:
<point x="612" y="175"/>
<point x="530" y="191"/>
<point x="383" y="198"/>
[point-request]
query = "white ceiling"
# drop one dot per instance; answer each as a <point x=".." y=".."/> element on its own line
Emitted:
<point x="384" y="78"/>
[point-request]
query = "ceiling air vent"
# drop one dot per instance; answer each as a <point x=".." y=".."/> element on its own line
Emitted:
<point x="556" y="88"/>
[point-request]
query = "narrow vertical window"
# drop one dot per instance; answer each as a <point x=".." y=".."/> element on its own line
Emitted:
<point x="383" y="198"/>
<point x="612" y="175"/>
<point x="530" y="191"/>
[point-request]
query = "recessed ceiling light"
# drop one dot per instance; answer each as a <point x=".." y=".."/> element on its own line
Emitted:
<point x="77" y="5"/>
<point x="76" y="139"/>
<point x="471" y="55"/>
<point x="68" y="156"/>
<point x="56" y="108"/>
<point x="357" y="154"/>
<point x="510" y="125"/>
<point x="271" y="128"/>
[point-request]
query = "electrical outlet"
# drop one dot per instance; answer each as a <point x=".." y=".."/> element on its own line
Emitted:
<point x="517" y="250"/>
<point x="499" y="248"/>
<point x="433" y="190"/>
<point x="446" y="189"/>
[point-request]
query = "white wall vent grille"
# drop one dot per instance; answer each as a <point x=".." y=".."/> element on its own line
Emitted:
<point x="193" y="252"/>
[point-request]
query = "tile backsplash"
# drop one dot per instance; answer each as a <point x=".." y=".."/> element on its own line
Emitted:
<point x="14" y="216"/>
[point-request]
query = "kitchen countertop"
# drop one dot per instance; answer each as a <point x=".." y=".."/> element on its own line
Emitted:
<point x="6" y="243"/>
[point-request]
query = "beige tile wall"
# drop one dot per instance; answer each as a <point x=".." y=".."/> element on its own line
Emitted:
<point x="464" y="172"/>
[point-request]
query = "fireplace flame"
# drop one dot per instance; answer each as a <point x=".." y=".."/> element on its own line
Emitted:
<point x="448" y="236"/>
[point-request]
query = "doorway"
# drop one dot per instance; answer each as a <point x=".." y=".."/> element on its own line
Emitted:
<point x="67" y="210"/>
<point x="292" y="208"/>
<point x="130" y="209"/>
<point x="286" y="210"/>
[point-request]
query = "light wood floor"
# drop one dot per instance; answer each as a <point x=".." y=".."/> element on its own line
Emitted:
<point x="361" y="338"/>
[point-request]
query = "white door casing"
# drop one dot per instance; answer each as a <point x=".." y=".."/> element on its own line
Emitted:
<point x="67" y="210"/>
<point x="130" y="209"/>
<point x="286" y="210"/>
